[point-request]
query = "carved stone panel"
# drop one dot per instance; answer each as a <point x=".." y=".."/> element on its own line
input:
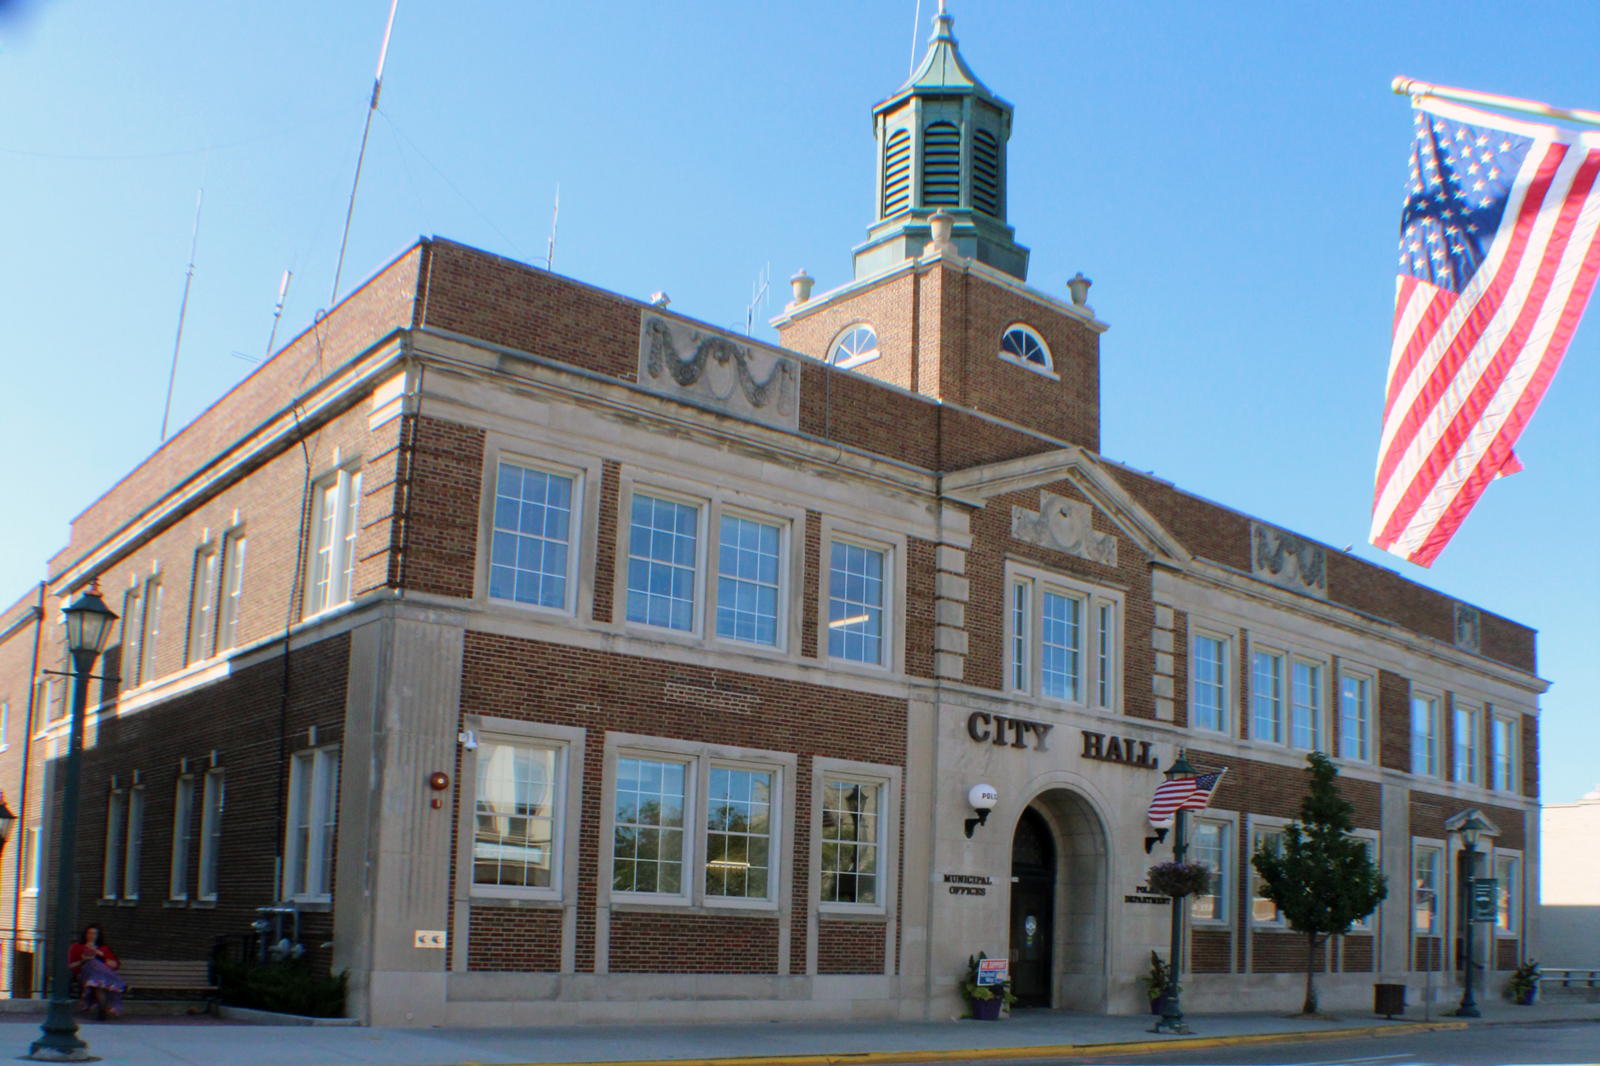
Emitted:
<point x="1467" y="627"/>
<point x="1288" y="561"/>
<point x="718" y="372"/>
<point x="1064" y="525"/>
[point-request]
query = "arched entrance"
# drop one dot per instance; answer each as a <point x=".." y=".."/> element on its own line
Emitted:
<point x="1059" y="879"/>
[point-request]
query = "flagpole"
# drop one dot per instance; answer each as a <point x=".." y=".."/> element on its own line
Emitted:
<point x="1404" y="86"/>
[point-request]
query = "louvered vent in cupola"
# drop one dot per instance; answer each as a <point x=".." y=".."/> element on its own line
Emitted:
<point x="897" y="173"/>
<point x="941" y="165"/>
<point x="986" y="173"/>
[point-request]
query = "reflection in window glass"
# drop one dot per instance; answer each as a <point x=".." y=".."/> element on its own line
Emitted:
<point x="1425" y="890"/>
<point x="647" y="845"/>
<point x="514" y="838"/>
<point x="1207" y="850"/>
<point x="747" y="581"/>
<point x="1268" y="696"/>
<point x="661" y="562"/>
<point x="855" y="603"/>
<point x="1061" y="644"/>
<point x="1425" y="736"/>
<point x="850" y="842"/>
<point x="1505" y="872"/>
<point x="1210" y="682"/>
<point x="859" y="345"/>
<point x="532" y="527"/>
<point x="1307" y="707"/>
<point x="1263" y="909"/>
<point x="1355" y="733"/>
<point x="1503" y="740"/>
<point x="738" y="833"/>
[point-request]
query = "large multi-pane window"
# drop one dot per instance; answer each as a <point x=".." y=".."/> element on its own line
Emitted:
<point x="1264" y="911"/>
<point x="1267" y="696"/>
<point x="1355" y="720"/>
<point x="738" y="833"/>
<point x="850" y="825"/>
<point x="1465" y="745"/>
<point x="856" y="596"/>
<point x="1063" y="641"/>
<point x="1425" y="735"/>
<point x="1425" y="885"/>
<point x="335" y="513"/>
<point x="182" y="830"/>
<point x="747" y="580"/>
<point x="231" y="609"/>
<point x="1503" y="749"/>
<point x="662" y="545"/>
<point x="1506" y="871"/>
<point x="1061" y="646"/>
<point x="203" y="606"/>
<point x="647" y="849"/>
<point x="1306" y="707"/>
<point x="313" y="819"/>
<point x="211" y="806"/>
<point x="1210" y="682"/>
<point x="514" y="817"/>
<point x="1210" y="850"/>
<point x="528" y="560"/>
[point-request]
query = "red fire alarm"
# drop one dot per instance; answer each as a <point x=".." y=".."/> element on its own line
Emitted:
<point x="438" y="781"/>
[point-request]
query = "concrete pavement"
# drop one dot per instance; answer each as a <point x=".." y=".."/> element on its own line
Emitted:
<point x="157" y="1041"/>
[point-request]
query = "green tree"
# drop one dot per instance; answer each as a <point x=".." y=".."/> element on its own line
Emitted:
<point x="1321" y="879"/>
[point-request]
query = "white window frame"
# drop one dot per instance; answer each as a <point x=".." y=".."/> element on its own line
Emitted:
<point x="230" y="584"/>
<point x="133" y="845"/>
<point x="697" y="611"/>
<point x="1370" y="677"/>
<point x="31" y="856"/>
<point x="318" y="821"/>
<point x="1513" y="725"/>
<point x="785" y="524"/>
<point x="1285" y="696"/>
<point x="1499" y="855"/>
<point x="182" y="837"/>
<point x="149" y="629"/>
<point x="577" y="528"/>
<point x="893" y="545"/>
<point x="1369" y="924"/>
<point x="1319" y="723"/>
<point x="5" y="725"/>
<point x="1047" y="370"/>
<point x="562" y="748"/>
<point x="1435" y="699"/>
<point x="342" y="540"/>
<point x="699" y="759"/>
<point x="213" y="805"/>
<point x="203" y="603"/>
<point x="1228" y="825"/>
<point x="1038" y="581"/>
<point x="1229" y="667"/>
<point x="1442" y="886"/>
<point x="1260" y="823"/>
<point x="1473" y="713"/>
<point x="858" y="359"/>
<point x="887" y="779"/>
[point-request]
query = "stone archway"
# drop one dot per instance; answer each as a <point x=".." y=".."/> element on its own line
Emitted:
<point x="1082" y="879"/>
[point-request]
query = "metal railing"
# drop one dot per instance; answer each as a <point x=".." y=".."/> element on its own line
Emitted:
<point x="22" y="965"/>
<point x="1550" y="977"/>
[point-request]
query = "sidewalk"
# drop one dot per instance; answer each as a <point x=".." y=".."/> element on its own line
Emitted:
<point x="1031" y="1034"/>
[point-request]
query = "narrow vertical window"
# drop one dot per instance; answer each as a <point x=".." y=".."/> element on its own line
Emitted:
<point x="1210" y="681"/>
<point x="150" y="638"/>
<point x="1208" y="851"/>
<point x="1502" y="738"/>
<point x="1061" y="647"/>
<point x="530" y="554"/>
<point x="1425" y="736"/>
<point x="515" y="815"/>
<point x="1355" y="729"/>
<point x="1019" y="636"/>
<point x="850" y="842"/>
<point x="1307" y="707"/>
<point x="747" y="581"/>
<point x="348" y="531"/>
<point x="661" y="562"/>
<point x="132" y="630"/>
<point x="1505" y="872"/>
<point x="202" y="608"/>
<point x="313" y="821"/>
<point x="303" y="774"/>
<point x="855" y="603"/>
<point x="233" y="553"/>
<point x="116" y="822"/>
<point x="1466" y="745"/>
<point x="647" y="848"/>
<point x="135" y="844"/>
<point x="738" y="833"/>
<point x="335" y="522"/>
<point x="30" y="861"/>
<point x="327" y="818"/>
<point x="5" y="725"/>
<point x="1425" y="890"/>
<point x="211" y="807"/>
<point x="182" y="824"/>
<point x="1268" y="696"/>
<point x="1105" y="675"/>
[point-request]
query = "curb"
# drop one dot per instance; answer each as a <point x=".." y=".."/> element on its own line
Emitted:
<point x="1038" y="1051"/>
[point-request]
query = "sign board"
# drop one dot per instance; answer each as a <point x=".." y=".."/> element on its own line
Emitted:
<point x="992" y="972"/>
<point x="430" y="938"/>
<point x="1485" y="899"/>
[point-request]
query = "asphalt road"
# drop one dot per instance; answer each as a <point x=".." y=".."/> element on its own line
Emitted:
<point x="1499" y="1045"/>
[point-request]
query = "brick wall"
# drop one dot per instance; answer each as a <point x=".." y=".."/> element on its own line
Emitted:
<point x="1275" y="952"/>
<point x="513" y="939"/>
<point x="442" y="517"/>
<point x="919" y="606"/>
<point x="1429" y="812"/>
<point x="850" y="947"/>
<point x="1209" y="950"/>
<point x="693" y="943"/>
<point x="1394" y="721"/>
<point x="1358" y="954"/>
<point x="1276" y="791"/>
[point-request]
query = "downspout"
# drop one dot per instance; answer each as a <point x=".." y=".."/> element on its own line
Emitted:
<point x="22" y="800"/>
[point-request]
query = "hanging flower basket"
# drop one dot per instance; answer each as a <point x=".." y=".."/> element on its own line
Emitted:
<point x="1178" y="879"/>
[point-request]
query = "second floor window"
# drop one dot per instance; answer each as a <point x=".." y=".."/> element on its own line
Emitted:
<point x="747" y="580"/>
<point x="1306" y="714"/>
<point x="202" y="608"/>
<point x="1466" y="745"/>
<point x="334" y="524"/>
<point x="1503" y="746"/>
<point x="149" y="630"/>
<point x="1355" y="723"/>
<point x="1210" y="682"/>
<point x="1425" y="736"/>
<point x="662" y="557"/>
<point x="532" y="536"/>
<point x="856" y="603"/>
<point x="1064" y="641"/>
<point x="233" y="552"/>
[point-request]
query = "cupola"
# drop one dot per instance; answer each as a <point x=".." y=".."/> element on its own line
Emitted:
<point x="941" y="145"/>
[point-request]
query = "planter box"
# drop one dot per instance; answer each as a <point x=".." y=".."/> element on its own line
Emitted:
<point x="987" y="1010"/>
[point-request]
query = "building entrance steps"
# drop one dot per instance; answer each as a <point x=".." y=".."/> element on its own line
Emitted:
<point x="1029" y="1035"/>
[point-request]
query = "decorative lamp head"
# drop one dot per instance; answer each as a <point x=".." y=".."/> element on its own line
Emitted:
<point x="88" y="622"/>
<point x="982" y="798"/>
<point x="1180" y="768"/>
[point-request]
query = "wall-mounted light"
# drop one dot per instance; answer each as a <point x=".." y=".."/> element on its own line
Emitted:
<point x="983" y="798"/>
<point x="438" y="781"/>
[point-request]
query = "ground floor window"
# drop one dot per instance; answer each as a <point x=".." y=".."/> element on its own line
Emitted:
<point x="1210" y="850"/>
<point x="515" y="816"/>
<point x="313" y="818"/>
<point x="851" y="824"/>
<point x="1425" y="884"/>
<point x="738" y="833"/>
<point x="647" y="843"/>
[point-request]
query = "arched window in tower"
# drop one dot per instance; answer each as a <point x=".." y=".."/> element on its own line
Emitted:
<point x="1023" y="345"/>
<point x="941" y="165"/>
<point x="856" y="345"/>
<point x="897" y="173"/>
<point x="986" y="173"/>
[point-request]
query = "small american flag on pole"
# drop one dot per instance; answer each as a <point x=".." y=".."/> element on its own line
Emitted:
<point x="1182" y="793"/>
<point x="1497" y="260"/>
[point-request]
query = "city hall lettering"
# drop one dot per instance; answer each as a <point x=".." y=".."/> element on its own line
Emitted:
<point x="1125" y="750"/>
<point x="978" y="728"/>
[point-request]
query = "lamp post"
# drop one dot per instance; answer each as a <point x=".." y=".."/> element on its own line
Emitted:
<point x="88" y="628"/>
<point x="1172" y="1014"/>
<point x="1470" y="831"/>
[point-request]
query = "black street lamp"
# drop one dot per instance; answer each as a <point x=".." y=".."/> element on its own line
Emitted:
<point x="1172" y="1013"/>
<point x="88" y="629"/>
<point x="1471" y="830"/>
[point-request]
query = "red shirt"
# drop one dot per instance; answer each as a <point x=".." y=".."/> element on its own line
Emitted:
<point x="75" y="956"/>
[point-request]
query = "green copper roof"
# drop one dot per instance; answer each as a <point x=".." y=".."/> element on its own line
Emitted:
<point x="942" y="71"/>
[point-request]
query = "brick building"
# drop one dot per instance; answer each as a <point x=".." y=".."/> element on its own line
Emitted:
<point x="559" y="657"/>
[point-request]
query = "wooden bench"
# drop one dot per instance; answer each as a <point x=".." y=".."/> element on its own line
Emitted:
<point x="172" y="975"/>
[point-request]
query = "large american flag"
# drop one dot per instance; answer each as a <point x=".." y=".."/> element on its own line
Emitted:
<point x="1182" y="793"/>
<point x="1497" y="259"/>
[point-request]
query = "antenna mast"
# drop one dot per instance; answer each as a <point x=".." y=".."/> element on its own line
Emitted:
<point x="277" y="312"/>
<point x="555" y="216"/>
<point x="377" y="88"/>
<point x="183" y="309"/>
<point x="916" y="26"/>
<point x="758" y="297"/>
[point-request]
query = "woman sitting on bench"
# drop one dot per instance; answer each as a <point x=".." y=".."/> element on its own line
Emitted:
<point x="95" y="966"/>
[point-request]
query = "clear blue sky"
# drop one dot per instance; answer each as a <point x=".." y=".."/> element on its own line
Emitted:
<point x="1230" y="177"/>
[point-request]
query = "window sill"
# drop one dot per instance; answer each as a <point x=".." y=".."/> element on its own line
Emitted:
<point x="203" y="904"/>
<point x="769" y="910"/>
<point x="311" y="906"/>
<point x="825" y="913"/>
<point x="1042" y="371"/>
<point x="181" y="904"/>
<point x="543" y="903"/>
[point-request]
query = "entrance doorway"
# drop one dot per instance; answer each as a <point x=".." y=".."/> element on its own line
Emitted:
<point x="1033" y="904"/>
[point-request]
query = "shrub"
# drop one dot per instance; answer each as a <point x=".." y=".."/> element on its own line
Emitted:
<point x="283" y="987"/>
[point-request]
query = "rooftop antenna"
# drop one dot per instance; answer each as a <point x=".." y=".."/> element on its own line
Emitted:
<point x="758" y="297"/>
<point x="377" y="88"/>
<point x="555" y="216"/>
<point x="916" y="28"/>
<point x="277" y="312"/>
<point x="183" y="309"/>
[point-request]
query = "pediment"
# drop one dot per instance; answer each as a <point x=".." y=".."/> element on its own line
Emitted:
<point x="1062" y="522"/>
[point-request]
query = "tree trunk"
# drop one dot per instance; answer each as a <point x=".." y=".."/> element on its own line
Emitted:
<point x="1310" y="1006"/>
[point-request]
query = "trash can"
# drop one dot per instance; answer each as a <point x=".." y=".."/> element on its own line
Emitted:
<point x="1389" y="1000"/>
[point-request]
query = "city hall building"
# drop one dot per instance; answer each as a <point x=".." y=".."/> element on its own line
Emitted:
<point x="559" y="657"/>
